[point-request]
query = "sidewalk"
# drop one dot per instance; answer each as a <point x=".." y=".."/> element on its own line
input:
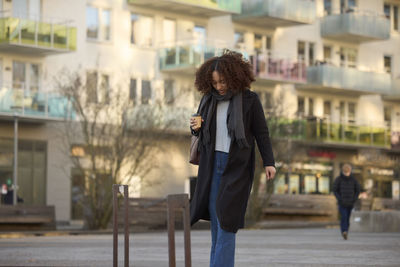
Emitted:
<point x="289" y="247"/>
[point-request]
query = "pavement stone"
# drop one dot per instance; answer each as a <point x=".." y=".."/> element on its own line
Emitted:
<point x="273" y="247"/>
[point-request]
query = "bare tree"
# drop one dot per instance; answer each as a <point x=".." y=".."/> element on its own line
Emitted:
<point x="111" y="141"/>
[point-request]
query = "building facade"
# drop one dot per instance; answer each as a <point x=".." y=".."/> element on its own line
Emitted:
<point x="334" y="65"/>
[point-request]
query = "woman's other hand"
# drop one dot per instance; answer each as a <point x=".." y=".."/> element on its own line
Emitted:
<point x="270" y="172"/>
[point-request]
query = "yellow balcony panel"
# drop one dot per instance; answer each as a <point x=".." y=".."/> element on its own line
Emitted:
<point x="355" y="27"/>
<point x="25" y="36"/>
<point x="276" y="13"/>
<point x="207" y="8"/>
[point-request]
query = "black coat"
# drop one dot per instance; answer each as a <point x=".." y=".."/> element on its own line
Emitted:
<point x="346" y="190"/>
<point x="237" y="178"/>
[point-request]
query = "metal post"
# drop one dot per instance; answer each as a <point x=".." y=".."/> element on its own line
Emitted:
<point x="115" y="225"/>
<point x="171" y="233"/>
<point x="15" y="171"/>
<point x="123" y="189"/>
<point x="126" y="225"/>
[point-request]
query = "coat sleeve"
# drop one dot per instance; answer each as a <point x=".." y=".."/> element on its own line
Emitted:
<point x="336" y="189"/>
<point x="261" y="133"/>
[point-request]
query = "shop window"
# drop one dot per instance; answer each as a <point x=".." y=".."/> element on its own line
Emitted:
<point x="294" y="184"/>
<point x="323" y="184"/>
<point x="310" y="185"/>
<point x="280" y="185"/>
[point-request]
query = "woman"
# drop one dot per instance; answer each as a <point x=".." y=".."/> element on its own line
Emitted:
<point x="232" y="117"/>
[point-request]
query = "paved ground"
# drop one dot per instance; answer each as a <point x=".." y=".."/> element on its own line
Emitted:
<point x="291" y="247"/>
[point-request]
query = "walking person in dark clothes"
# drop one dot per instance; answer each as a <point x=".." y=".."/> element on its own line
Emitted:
<point x="346" y="189"/>
<point x="233" y="119"/>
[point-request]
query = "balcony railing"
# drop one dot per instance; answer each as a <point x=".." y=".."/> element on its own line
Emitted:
<point x="270" y="67"/>
<point x="34" y="36"/>
<point x="188" y="55"/>
<point x="35" y="105"/>
<point x="196" y="7"/>
<point x="277" y="13"/>
<point x="349" y="79"/>
<point x="322" y="131"/>
<point x="355" y="26"/>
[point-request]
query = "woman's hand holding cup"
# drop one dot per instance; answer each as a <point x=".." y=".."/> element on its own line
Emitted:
<point x="195" y="122"/>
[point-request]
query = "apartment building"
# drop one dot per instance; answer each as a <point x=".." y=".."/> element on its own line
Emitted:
<point x="335" y="65"/>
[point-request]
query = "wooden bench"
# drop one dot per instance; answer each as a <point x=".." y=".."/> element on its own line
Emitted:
<point x="23" y="217"/>
<point x="301" y="207"/>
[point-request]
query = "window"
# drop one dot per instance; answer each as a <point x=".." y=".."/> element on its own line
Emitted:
<point x="169" y="92"/>
<point x="132" y="90"/>
<point x="347" y="6"/>
<point x="300" y="106"/>
<point x="348" y="57"/>
<point x="106" y="24"/>
<point x="352" y="113"/>
<point x="342" y="112"/>
<point x="239" y="40"/>
<point x="105" y="89"/>
<point x="142" y="28"/>
<point x="327" y="109"/>
<point x="169" y="30"/>
<point x="327" y="54"/>
<point x="98" y="23"/>
<point x="328" y="7"/>
<point x="310" y="107"/>
<point x="387" y="63"/>
<point x="268" y="101"/>
<point x="305" y="52"/>
<point x="26" y="76"/>
<point x="387" y="113"/>
<point x="392" y="13"/>
<point x="91" y="87"/>
<point x="92" y="22"/>
<point x="146" y="92"/>
<point x="258" y="43"/>
<point x="199" y="33"/>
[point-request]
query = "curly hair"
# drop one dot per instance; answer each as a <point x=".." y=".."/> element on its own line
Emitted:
<point x="236" y="71"/>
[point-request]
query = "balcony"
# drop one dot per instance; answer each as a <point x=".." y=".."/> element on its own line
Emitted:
<point x="321" y="131"/>
<point x="276" y="13"/>
<point x="347" y="80"/>
<point x="273" y="69"/>
<point x="355" y="27"/>
<point x="33" y="106"/>
<point x="27" y="36"/>
<point x="185" y="57"/>
<point x="207" y="8"/>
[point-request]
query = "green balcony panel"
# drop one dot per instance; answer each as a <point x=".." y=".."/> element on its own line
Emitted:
<point x="316" y="130"/>
<point x="355" y="27"/>
<point x="277" y="13"/>
<point x="348" y="79"/>
<point x="208" y="8"/>
<point x="35" y="37"/>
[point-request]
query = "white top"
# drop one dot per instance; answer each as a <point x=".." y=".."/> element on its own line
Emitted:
<point x="222" y="141"/>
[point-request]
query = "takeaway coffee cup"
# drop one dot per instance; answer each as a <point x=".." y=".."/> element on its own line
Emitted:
<point x="197" y="118"/>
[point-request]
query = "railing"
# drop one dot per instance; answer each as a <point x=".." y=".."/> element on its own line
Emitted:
<point x="272" y="67"/>
<point x="190" y="53"/>
<point x="349" y="78"/>
<point x="34" y="104"/>
<point x="319" y="130"/>
<point x="303" y="11"/>
<point x="37" y="33"/>
<point x="369" y="24"/>
<point x="225" y="5"/>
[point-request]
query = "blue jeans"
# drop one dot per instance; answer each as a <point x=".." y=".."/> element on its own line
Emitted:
<point x="223" y="242"/>
<point x="344" y="218"/>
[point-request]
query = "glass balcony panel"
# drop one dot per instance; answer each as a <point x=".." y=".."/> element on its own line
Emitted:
<point x="299" y="11"/>
<point x="72" y="33"/>
<point x="357" y="27"/>
<point x="349" y="79"/>
<point x="28" y="30"/>
<point x="12" y="26"/>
